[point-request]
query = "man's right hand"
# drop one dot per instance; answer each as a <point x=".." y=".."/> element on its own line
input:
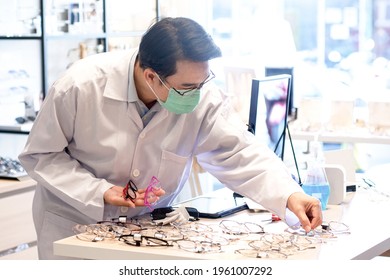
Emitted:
<point x="114" y="196"/>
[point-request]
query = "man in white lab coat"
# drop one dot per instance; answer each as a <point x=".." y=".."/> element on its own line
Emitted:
<point x="123" y="116"/>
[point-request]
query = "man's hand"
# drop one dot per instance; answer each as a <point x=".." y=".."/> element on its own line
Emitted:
<point x="114" y="196"/>
<point x="307" y="209"/>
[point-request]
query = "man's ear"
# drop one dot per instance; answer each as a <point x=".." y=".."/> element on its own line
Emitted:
<point x="150" y="76"/>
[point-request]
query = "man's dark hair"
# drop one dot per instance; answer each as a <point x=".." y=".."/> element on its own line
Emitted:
<point x="173" y="39"/>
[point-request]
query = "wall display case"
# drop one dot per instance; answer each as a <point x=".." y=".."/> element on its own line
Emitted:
<point x="21" y="76"/>
<point x="40" y="39"/>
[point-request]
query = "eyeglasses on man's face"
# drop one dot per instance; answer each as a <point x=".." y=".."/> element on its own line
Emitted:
<point x="191" y="90"/>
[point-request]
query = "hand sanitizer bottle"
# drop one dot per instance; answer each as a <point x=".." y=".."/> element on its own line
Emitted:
<point x="316" y="183"/>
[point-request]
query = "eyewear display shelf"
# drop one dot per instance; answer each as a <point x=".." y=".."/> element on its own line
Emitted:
<point x="45" y="37"/>
<point x="22" y="73"/>
<point x="369" y="236"/>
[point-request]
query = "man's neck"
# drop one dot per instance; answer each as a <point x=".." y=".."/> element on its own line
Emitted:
<point x="143" y="91"/>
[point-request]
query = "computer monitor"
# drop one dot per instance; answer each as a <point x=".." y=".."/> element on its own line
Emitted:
<point x="271" y="71"/>
<point x="268" y="111"/>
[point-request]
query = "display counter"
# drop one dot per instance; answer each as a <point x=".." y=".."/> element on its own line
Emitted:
<point x="16" y="213"/>
<point x="364" y="212"/>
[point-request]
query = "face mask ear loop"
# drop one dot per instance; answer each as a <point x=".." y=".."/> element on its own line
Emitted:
<point x="162" y="82"/>
<point x="158" y="99"/>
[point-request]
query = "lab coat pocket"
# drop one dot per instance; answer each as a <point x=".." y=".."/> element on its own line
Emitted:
<point x="171" y="169"/>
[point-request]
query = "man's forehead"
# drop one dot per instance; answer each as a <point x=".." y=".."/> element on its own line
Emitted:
<point x="191" y="72"/>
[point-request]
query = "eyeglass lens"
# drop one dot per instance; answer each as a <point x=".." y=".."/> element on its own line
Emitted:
<point x="130" y="191"/>
<point x="233" y="227"/>
<point x="150" y="193"/>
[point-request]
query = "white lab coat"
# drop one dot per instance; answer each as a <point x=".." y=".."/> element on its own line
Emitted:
<point x="89" y="137"/>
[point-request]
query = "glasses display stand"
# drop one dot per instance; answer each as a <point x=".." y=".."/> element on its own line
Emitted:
<point x="45" y="37"/>
<point x="11" y="169"/>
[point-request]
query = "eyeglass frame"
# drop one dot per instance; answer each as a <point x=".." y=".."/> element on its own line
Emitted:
<point x="93" y="232"/>
<point x="325" y="231"/>
<point x="195" y="227"/>
<point x="138" y="238"/>
<point x="129" y="225"/>
<point x="243" y="225"/>
<point x="262" y="254"/>
<point x="282" y="243"/>
<point x="208" y="79"/>
<point x="201" y="247"/>
<point x="151" y="188"/>
<point x="329" y="227"/>
<point x="133" y="187"/>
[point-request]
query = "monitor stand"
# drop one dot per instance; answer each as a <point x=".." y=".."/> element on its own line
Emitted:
<point x="299" y="181"/>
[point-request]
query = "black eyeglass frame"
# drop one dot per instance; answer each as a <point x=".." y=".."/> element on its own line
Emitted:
<point x="129" y="225"/>
<point x="137" y="239"/>
<point x="130" y="186"/>
<point x="208" y="79"/>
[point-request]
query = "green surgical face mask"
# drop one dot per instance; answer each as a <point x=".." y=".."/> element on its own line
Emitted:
<point x="179" y="101"/>
<point x="181" y="104"/>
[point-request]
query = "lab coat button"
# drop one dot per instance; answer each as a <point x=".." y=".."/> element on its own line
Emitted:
<point x="124" y="209"/>
<point x="136" y="172"/>
<point x="142" y="135"/>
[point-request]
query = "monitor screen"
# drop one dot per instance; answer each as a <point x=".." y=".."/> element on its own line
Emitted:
<point x="271" y="71"/>
<point x="269" y="110"/>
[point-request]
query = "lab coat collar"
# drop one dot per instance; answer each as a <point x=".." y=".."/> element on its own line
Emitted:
<point x="120" y="82"/>
<point x="132" y="95"/>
